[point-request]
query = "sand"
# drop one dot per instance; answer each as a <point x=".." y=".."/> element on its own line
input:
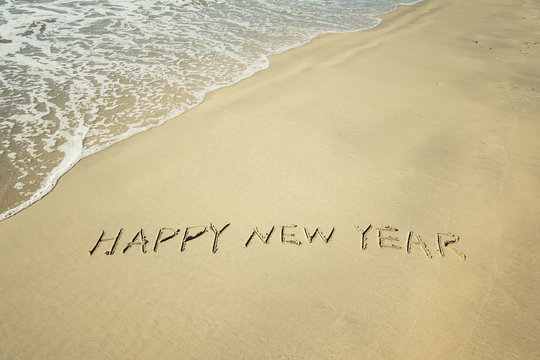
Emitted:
<point x="426" y="124"/>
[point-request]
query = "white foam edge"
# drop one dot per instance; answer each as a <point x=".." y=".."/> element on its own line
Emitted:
<point x="73" y="153"/>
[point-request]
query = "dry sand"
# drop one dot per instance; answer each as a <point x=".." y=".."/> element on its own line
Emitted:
<point x="428" y="123"/>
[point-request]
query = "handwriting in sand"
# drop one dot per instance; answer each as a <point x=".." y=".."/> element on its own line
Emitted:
<point x="385" y="238"/>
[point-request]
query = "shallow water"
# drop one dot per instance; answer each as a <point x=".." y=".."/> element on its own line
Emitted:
<point x="78" y="76"/>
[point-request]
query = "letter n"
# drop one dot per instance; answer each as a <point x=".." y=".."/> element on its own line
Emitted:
<point x="264" y="238"/>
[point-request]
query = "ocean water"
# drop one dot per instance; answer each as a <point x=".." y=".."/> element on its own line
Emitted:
<point x="78" y="76"/>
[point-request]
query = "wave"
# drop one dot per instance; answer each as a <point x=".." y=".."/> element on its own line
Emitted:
<point x="79" y="76"/>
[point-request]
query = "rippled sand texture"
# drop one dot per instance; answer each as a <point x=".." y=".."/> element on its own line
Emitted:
<point x="427" y="124"/>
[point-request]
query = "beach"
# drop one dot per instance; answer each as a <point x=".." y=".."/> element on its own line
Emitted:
<point x="412" y="147"/>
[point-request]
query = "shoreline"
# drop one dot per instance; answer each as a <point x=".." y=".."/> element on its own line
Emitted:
<point x="422" y="129"/>
<point x="49" y="183"/>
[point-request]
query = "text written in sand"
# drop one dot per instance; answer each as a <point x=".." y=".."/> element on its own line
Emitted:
<point x="384" y="237"/>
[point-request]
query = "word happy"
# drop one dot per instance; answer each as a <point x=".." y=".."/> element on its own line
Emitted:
<point x="385" y="238"/>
